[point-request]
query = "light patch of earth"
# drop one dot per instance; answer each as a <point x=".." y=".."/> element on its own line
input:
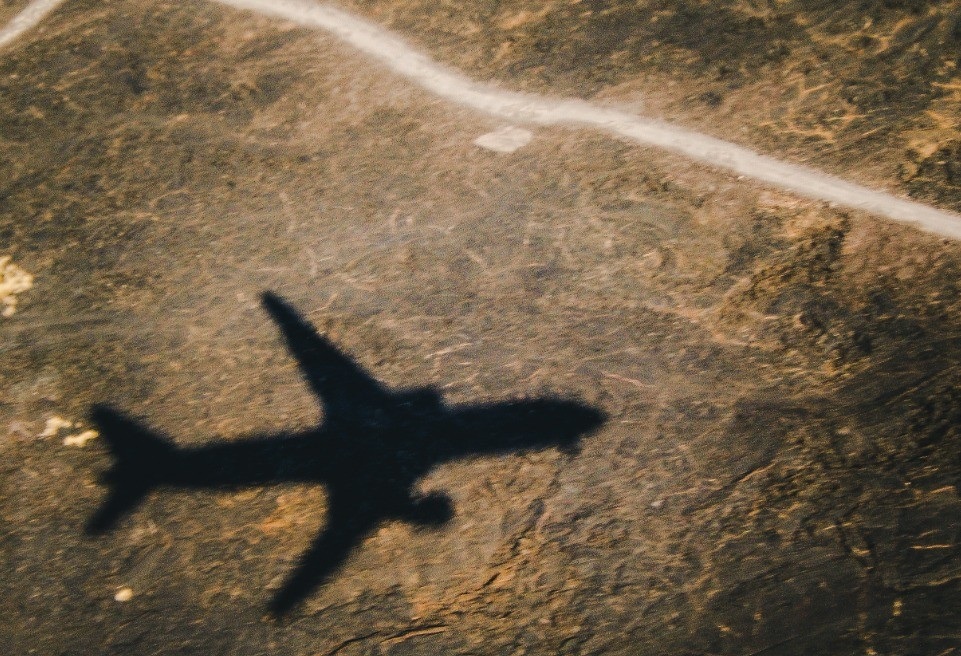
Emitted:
<point x="13" y="281"/>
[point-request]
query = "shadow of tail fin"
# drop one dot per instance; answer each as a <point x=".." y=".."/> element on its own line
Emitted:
<point x="141" y="459"/>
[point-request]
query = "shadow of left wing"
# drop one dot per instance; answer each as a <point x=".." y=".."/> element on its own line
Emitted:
<point x="345" y="529"/>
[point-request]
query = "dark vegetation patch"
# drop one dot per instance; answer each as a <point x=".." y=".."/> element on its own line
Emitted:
<point x="869" y="466"/>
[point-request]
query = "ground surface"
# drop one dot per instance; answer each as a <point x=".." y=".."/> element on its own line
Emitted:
<point x="779" y="471"/>
<point x="10" y="8"/>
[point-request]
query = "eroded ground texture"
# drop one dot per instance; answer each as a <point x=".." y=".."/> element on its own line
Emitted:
<point x="779" y="470"/>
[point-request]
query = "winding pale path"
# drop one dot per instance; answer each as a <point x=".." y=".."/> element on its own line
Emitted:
<point x="32" y="14"/>
<point x="398" y="56"/>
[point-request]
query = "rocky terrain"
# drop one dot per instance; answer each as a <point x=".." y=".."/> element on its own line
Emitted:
<point x="779" y="470"/>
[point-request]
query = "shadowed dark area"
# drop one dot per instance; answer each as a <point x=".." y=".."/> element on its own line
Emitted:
<point x="370" y="451"/>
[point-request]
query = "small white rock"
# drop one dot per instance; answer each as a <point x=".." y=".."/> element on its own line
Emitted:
<point x="656" y="505"/>
<point x="53" y="426"/>
<point x="504" y="140"/>
<point x="80" y="439"/>
<point x="13" y="281"/>
<point x="123" y="594"/>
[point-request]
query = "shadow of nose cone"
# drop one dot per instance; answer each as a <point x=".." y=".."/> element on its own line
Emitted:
<point x="589" y="419"/>
<point x="578" y="420"/>
<point x="569" y="422"/>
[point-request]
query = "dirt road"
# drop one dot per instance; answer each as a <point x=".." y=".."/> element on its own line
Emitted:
<point x="398" y="56"/>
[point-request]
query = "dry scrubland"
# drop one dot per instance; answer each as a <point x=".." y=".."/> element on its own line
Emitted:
<point x="780" y="470"/>
<point x="868" y="89"/>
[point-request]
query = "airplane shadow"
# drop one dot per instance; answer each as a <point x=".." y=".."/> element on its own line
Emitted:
<point x="369" y="452"/>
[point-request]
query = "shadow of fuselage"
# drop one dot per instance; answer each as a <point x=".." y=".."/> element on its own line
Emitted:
<point x="372" y="448"/>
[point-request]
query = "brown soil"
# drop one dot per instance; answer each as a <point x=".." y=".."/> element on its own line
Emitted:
<point x="867" y="89"/>
<point x="779" y="471"/>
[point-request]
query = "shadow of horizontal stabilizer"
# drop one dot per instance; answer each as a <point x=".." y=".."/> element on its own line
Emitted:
<point x="371" y="450"/>
<point x="140" y="460"/>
